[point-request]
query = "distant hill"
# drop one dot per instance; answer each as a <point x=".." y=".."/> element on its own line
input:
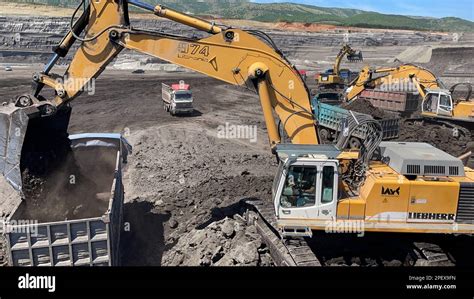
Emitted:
<point x="291" y="12"/>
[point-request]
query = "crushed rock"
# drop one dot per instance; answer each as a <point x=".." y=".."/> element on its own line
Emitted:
<point x="227" y="242"/>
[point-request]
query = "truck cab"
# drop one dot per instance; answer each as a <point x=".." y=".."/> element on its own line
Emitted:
<point x="177" y="98"/>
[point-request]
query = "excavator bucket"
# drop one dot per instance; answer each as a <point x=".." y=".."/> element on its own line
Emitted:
<point x="29" y="142"/>
<point x="13" y="125"/>
<point x="357" y="56"/>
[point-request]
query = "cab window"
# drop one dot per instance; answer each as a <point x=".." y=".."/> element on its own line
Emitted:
<point x="276" y="180"/>
<point x="431" y="102"/>
<point x="299" y="189"/>
<point x="444" y="102"/>
<point x="327" y="184"/>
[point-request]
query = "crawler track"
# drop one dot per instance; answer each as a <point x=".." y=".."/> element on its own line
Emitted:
<point x="298" y="252"/>
<point x="285" y="252"/>
<point x="431" y="254"/>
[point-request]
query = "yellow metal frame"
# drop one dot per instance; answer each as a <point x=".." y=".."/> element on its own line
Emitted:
<point x="231" y="55"/>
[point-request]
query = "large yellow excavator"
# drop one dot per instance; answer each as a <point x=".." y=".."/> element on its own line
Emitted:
<point x="386" y="186"/>
<point x="437" y="102"/>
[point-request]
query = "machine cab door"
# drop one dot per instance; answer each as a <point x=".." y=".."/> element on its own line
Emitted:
<point x="445" y="105"/>
<point x="307" y="191"/>
<point x="327" y="189"/>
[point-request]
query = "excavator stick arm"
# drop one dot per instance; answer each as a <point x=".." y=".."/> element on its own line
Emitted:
<point x="252" y="62"/>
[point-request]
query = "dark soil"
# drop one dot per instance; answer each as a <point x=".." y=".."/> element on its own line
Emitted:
<point x="80" y="187"/>
<point x="363" y="106"/>
<point x="418" y="131"/>
<point x="436" y="135"/>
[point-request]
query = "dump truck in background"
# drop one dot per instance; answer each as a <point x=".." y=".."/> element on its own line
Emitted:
<point x="177" y="98"/>
<point x="330" y="119"/>
<point x="396" y="101"/>
<point x="81" y="230"/>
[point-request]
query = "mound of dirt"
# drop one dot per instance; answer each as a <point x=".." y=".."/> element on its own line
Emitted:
<point x="195" y="181"/>
<point x="364" y="106"/>
<point x="436" y="135"/>
<point x="416" y="54"/>
<point x="451" y="59"/>
<point x="79" y="187"/>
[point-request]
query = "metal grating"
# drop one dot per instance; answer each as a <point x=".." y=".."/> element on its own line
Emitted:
<point x="453" y="170"/>
<point x="413" y="169"/>
<point x="465" y="211"/>
<point x="434" y="169"/>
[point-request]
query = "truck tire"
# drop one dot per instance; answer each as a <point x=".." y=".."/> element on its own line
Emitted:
<point x="354" y="143"/>
<point x="325" y="135"/>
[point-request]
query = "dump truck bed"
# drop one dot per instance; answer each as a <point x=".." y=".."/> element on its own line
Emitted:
<point x="63" y="231"/>
<point x="331" y="116"/>
<point x="392" y="101"/>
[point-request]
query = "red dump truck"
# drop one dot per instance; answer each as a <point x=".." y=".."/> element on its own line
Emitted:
<point x="177" y="98"/>
<point x="402" y="102"/>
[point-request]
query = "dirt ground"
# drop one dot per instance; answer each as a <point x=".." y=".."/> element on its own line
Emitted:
<point x="183" y="183"/>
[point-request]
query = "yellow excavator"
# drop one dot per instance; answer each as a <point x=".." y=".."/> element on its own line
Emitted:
<point x="437" y="102"/>
<point x="385" y="186"/>
<point x="333" y="79"/>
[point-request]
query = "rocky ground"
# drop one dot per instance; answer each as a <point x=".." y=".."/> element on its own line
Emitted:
<point x="226" y="242"/>
<point x="194" y="182"/>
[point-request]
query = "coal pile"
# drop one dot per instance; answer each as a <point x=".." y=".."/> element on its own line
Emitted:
<point x="436" y="135"/>
<point x="364" y="106"/>
<point x="79" y="186"/>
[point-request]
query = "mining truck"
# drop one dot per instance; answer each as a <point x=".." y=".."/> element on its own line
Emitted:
<point x="177" y="98"/>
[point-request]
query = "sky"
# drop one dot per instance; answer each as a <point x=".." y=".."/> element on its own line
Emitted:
<point x="427" y="8"/>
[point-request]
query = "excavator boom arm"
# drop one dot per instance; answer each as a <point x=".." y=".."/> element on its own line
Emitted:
<point x="405" y="74"/>
<point x="352" y="55"/>
<point x="231" y="55"/>
<point x="238" y="57"/>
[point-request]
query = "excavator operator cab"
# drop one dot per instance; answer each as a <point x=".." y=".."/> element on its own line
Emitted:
<point x="306" y="183"/>
<point x="438" y="102"/>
